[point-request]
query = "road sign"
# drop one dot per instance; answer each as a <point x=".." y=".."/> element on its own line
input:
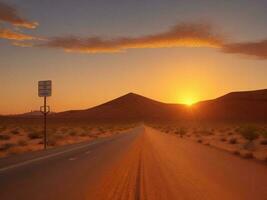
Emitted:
<point x="45" y="88"/>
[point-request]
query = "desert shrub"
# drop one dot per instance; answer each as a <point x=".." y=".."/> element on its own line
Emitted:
<point x="4" y="137"/>
<point x="249" y="132"/>
<point x="233" y="141"/>
<point x="73" y="133"/>
<point x="15" y="132"/>
<point x="264" y="142"/>
<point x="199" y="141"/>
<point x="204" y="132"/>
<point x="22" y="143"/>
<point x="83" y="134"/>
<point x="236" y="152"/>
<point x="230" y="133"/>
<point x="101" y="129"/>
<point x="6" y="146"/>
<point x="247" y="155"/>
<point x="35" y="135"/>
<point x="223" y="139"/>
<point x="181" y="131"/>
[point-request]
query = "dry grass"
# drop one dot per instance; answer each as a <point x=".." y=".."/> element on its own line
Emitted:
<point x="23" y="136"/>
<point x="248" y="141"/>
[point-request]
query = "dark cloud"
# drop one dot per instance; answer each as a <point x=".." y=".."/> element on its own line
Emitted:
<point x="186" y="35"/>
<point x="256" y="49"/>
<point x="10" y="15"/>
<point x="181" y="35"/>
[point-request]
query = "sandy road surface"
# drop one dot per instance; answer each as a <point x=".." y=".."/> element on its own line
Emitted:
<point x="142" y="164"/>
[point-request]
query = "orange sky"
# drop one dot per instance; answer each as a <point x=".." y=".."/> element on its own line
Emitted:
<point x="169" y="52"/>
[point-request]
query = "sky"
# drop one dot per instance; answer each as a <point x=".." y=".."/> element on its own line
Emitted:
<point x="174" y="51"/>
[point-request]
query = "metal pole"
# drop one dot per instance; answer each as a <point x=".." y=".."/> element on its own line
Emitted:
<point x="45" y="141"/>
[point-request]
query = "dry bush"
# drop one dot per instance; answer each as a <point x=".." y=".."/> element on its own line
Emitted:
<point x="181" y="131"/>
<point x="199" y="141"/>
<point x="230" y="133"/>
<point x="264" y="142"/>
<point x="6" y="146"/>
<point x="247" y="155"/>
<point x="35" y="135"/>
<point x="223" y="139"/>
<point x="204" y="132"/>
<point x="15" y="132"/>
<point x="72" y="133"/>
<point x="83" y="134"/>
<point x="250" y="133"/>
<point x="233" y="141"/>
<point x="4" y="137"/>
<point x="236" y="152"/>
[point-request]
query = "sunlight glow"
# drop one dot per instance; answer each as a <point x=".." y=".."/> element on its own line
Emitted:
<point x="189" y="101"/>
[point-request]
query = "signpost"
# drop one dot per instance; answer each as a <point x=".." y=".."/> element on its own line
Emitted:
<point x="45" y="90"/>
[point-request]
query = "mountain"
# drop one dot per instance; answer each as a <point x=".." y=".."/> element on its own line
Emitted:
<point x="240" y="106"/>
<point x="31" y="114"/>
<point x="235" y="106"/>
<point x="129" y="107"/>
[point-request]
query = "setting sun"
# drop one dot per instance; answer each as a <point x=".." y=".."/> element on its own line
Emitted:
<point x="189" y="102"/>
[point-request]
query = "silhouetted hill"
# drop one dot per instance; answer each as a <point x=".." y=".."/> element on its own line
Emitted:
<point x="235" y="106"/>
<point x="129" y="107"/>
<point x="246" y="105"/>
<point x="31" y="114"/>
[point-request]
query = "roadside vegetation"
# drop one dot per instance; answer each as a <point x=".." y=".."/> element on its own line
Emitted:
<point x="24" y="136"/>
<point x="245" y="140"/>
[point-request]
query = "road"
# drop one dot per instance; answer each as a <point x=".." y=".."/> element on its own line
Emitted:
<point x="140" y="164"/>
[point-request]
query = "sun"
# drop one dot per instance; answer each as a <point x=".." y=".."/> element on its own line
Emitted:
<point x="189" y="101"/>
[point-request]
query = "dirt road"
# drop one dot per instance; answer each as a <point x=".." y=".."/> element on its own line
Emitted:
<point x="141" y="164"/>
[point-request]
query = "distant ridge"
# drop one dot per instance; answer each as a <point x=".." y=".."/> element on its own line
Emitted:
<point x="244" y="105"/>
<point x="128" y="107"/>
<point x="235" y="106"/>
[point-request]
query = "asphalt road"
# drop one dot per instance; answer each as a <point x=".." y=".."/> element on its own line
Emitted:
<point x="140" y="164"/>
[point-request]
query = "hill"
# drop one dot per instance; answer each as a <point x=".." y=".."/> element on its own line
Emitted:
<point x="235" y="106"/>
<point x="240" y="106"/>
<point x="129" y="107"/>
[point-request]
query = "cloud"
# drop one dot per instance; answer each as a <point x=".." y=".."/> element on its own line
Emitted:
<point x="12" y="35"/>
<point x="256" y="49"/>
<point x="22" y="44"/>
<point x="181" y="35"/>
<point x="10" y="15"/>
